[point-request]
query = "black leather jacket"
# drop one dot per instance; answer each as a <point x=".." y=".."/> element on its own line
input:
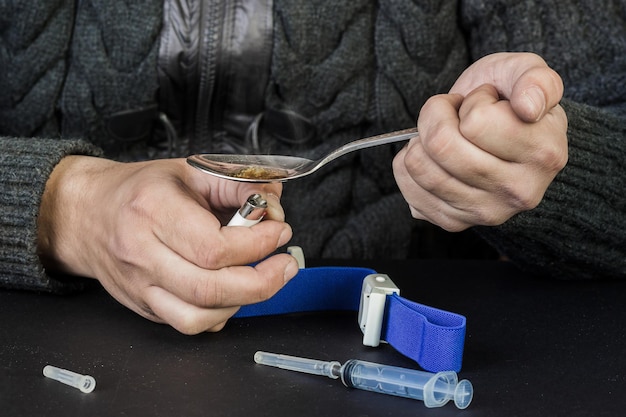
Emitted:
<point x="213" y="68"/>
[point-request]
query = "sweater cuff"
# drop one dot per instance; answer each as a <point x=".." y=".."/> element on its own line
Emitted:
<point x="25" y="166"/>
<point x="579" y="228"/>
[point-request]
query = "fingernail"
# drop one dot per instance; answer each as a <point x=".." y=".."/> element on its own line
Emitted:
<point x="284" y="237"/>
<point x="275" y="210"/>
<point x="291" y="270"/>
<point x="274" y="197"/>
<point x="537" y="102"/>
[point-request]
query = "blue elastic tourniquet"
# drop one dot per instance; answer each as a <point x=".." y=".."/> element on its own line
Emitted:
<point x="433" y="338"/>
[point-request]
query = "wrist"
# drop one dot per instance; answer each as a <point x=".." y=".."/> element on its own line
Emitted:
<point x="60" y="222"/>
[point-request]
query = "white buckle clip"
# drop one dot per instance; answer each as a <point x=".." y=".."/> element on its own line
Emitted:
<point x="374" y="293"/>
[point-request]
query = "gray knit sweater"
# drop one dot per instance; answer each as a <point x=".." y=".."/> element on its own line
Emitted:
<point x="351" y="68"/>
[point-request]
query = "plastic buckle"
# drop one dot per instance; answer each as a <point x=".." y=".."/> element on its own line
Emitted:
<point x="376" y="288"/>
<point x="298" y="253"/>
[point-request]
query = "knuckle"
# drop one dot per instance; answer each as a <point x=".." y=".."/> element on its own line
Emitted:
<point x="555" y="78"/>
<point x="126" y="242"/>
<point x="266" y="291"/>
<point x="528" y="200"/>
<point x="446" y="218"/>
<point x="121" y="250"/>
<point x="454" y="227"/>
<point x="475" y="122"/>
<point x="487" y="216"/>
<point x="126" y="252"/>
<point x="434" y="183"/>
<point x="413" y="162"/>
<point x="521" y="197"/>
<point x="451" y="224"/>
<point x="189" y="326"/>
<point x="429" y="180"/>
<point x="207" y="293"/>
<point x="552" y="156"/>
<point x="438" y="143"/>
<point x="432" y="104"/>
<point x="216" y="328"/>
<point x="141" y="203"/>
<point x="210" y="254"/>
<point x="270" y="278"/>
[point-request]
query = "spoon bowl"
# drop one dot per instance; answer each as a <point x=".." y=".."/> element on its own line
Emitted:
<point x="280" y="168"/>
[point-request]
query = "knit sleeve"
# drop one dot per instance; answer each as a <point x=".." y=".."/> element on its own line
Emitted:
<point x="579" y="229"/>
<point x="356" y="69"/>
<point x="25" y="166"/>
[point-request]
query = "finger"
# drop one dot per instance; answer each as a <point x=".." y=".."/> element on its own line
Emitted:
<point x="129" y="299"/>
<point x="196" y="234"/>
<point x="228" y="195"/>
<point x="536" y="92"/>
<point x="491" y="164"/>
<point x="415" y="175"/>
<point x="444" y="144"/>
<point x="464" y="176"/>
<point x="240" y="245"/>
<point x="274" y="210"/>
<point x="185" y="317"/>
<point x="226" y="287"/>
<point x="436" y="196"/>
<point x="491" y="124"/>
<point x="523" y="78"/>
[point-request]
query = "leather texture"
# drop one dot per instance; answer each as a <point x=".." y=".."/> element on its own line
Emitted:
<point x="213" y="68"/>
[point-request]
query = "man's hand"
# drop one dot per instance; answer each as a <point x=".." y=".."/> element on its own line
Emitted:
<point x="488" y="149"/>
<point x="152" y="234"/>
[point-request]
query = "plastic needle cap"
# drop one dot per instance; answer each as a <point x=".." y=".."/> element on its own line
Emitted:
<point x="85" y="383"/>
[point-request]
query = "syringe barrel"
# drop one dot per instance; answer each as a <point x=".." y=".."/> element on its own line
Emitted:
<point x="434" y="389"/>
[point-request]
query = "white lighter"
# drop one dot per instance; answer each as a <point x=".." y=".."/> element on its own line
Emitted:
<point x="251" y="212"/>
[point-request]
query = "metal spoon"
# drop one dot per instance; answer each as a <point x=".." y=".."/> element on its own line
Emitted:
<point x="279" y="168"/>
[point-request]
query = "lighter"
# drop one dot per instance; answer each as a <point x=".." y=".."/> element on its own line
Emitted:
<point x="251" y="212"/>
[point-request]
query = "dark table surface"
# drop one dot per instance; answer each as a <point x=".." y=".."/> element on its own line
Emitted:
<point x="534" y="347"/>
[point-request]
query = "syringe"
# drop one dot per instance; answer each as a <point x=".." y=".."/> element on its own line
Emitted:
<point x="435" y="389"/>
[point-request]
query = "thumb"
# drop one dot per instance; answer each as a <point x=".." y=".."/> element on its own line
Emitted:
<point x="535" y="93"/>
<point x="532" y="87"/>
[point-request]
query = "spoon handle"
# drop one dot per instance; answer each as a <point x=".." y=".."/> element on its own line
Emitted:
<point x="369" y="142"/>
